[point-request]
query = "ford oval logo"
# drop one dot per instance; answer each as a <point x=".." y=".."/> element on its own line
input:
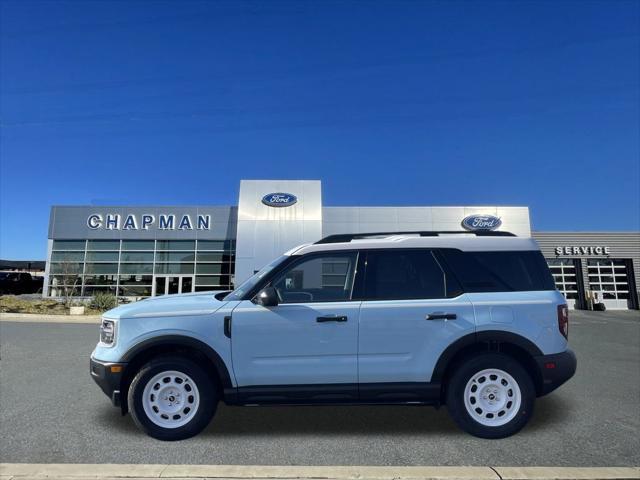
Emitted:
<point x="279" y="199"/>
<point x="481" y="222"/>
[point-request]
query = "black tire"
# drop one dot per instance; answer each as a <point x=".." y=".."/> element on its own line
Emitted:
<point x="199" y="420"/>
<point x="455" y="395"/>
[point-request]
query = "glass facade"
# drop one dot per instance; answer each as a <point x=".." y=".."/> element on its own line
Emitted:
<point x="140" y="268"/>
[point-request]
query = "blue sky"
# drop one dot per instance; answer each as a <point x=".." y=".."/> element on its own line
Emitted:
<point x="388" y="103"/>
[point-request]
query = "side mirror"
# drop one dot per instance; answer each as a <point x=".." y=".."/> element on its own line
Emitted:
<point x="267" y="297"/>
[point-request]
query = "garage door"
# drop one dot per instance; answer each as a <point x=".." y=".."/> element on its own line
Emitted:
<point x="565" y="275"/>
<point x="609" y="278"/>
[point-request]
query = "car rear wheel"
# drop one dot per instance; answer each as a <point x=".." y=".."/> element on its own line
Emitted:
<point x="172" y="398"/>
<point x="490" y="396"/>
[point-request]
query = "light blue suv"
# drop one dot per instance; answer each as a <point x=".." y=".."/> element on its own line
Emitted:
<point x="473" y="321"/>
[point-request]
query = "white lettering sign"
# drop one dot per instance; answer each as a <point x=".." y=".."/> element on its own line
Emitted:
<point x="583" y="250"/>
<point x="113" y="221"/>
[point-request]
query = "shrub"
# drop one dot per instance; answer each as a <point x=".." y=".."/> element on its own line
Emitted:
<point x="103" y="301"/>
<point x="13" y="304"/>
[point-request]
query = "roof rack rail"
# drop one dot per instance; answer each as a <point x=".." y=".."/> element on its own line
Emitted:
<point x="347" y="237"/>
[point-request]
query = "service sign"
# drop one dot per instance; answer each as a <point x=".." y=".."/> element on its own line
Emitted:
<point x="279" y="199"/>
<point x="583" y="250"/>
<point x="481" y="222"/>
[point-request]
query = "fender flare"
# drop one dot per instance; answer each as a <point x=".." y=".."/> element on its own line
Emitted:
<point x="491" y="338"/>
<point x="188" y="342"/>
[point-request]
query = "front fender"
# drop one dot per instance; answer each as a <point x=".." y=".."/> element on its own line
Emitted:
<point x="186" y="341"/>
<point x="204" y="332"/>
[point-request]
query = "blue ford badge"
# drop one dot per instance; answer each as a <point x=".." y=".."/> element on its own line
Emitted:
<point x="279" y="199"/>
<point x="481" y="222"/>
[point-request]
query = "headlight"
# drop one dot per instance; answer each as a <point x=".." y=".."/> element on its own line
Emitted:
<point x="107" y="332"/>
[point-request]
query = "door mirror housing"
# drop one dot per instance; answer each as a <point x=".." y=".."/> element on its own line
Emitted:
<point x="267" y="297"/>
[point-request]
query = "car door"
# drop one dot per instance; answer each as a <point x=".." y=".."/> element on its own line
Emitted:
<point x="305" y="348"/>
<point x="411" y="312"/>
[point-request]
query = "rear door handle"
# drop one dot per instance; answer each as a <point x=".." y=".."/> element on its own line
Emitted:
<point x="332" y="318"/>
<point x="441" y="316"/>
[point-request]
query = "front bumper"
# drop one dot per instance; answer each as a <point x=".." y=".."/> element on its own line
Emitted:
<point x="108" y="378"/>
<point x="556" y="369"/>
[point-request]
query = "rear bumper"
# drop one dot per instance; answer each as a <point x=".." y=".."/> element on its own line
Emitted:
<point x="556" y="369"/>
<point x="107" y="380"/>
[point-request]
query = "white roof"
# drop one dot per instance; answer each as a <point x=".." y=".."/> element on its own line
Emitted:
<point x="459" y="241"/>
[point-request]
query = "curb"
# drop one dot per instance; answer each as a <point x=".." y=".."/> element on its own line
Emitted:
<point x="42" y="318"/>
<point x="35" y="471"/>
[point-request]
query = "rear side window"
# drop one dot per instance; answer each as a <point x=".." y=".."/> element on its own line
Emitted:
<point x="505" y="271"/>
<point x="403" y="275"/>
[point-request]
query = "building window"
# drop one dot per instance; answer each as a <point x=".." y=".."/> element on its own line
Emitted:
<point x="137" y="291"/>
<point x="102" y="256"/>
<point x="212" y="280"/>
<point x="136" y="280"/>
<point x="176" y="245"/>
<point x="217" y="245"/>
<point x="60" y="257"/>
<point x="175" y="256"/>
<point x="91" y="291"/>
<point x="214" y="268"/>
<point x="138" y="245"/>
<point x="214" y="257"/>
<point x="100" y="280"/>
<point x="69" y="245"/>
<point x="93" y="268"/>
<point x="174" y="268"/>
<point x="103" y="245"/>
<point x="127" y="267"/>
<point x="137" y="257"/>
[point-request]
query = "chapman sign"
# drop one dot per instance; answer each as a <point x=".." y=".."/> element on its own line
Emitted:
<point x="145" y="222"/>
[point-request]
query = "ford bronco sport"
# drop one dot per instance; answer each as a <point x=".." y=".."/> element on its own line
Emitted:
<point x="470" y="321"/>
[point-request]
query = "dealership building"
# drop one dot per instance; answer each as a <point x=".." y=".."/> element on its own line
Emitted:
<point x="139" y="252"/>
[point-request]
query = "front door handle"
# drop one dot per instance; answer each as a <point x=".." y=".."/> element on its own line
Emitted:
<point x="332" y="318"/>
<point x="441" y="316"/>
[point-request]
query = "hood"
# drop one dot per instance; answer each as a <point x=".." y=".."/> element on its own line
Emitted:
<point x="201" y="303"/>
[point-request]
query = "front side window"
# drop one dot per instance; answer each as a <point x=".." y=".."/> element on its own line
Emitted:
<point x="320" y="278"/>
<point x="403" y="275"/>
<point x="252" y="281"/>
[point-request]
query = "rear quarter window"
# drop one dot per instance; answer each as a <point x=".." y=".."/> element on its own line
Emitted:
<point x="504" y="271"/>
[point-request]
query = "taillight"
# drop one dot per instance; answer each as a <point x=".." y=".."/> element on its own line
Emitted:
<point x="563" y="320"/>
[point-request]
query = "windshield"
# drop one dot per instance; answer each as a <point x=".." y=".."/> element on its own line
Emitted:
<point x="248" y="285"/>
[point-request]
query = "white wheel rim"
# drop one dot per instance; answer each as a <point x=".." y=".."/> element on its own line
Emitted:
<point x="170" y="399"/>
<point x="492" y="397"/>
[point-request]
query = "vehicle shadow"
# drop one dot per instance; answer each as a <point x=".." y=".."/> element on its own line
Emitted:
<point x="340" y="420"/>
<point x="548" y="411"/>
<point x="334" y="420"/>
<point x="110" y="417"/>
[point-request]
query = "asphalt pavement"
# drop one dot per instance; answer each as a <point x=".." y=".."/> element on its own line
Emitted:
<point x="51" y="411"/>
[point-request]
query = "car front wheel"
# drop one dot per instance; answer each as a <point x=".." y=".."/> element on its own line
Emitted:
<point x="172" y="398"/>
<point x="491" y="396"/>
